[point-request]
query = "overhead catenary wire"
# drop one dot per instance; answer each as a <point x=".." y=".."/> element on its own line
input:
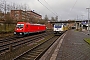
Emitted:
<point x="48" y="8"/>
<point x="57" y="15"/>
<point x="74" y="5"/>
<point x="51" y="10"/>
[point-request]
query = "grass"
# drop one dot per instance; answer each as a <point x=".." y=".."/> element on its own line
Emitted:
<point x="6" y="30"/>
<point x="87" y="40"/>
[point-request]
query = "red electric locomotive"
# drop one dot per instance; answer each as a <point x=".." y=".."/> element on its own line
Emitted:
<point x="24" y="28"/>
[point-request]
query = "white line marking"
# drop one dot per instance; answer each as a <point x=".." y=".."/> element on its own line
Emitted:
<point x="54" y="55"/>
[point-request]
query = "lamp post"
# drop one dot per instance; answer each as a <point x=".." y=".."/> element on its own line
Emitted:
<point x="88" y="19"/>
<point x="82" y="21"/>
<point x="82" y="17"/>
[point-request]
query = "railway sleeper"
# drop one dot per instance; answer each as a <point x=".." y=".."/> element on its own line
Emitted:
<point x="36" y="52"/>
<point x="30" y="54"/>
<point x="41" y="48"/>
<point x="25" y="57"/>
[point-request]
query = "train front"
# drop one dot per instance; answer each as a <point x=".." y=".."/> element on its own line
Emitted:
<point x="19" y="29"/>
<point x="58" y="28"/>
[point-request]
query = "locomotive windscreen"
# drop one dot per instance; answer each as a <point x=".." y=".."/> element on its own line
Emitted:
<point x="20" y="25"/>
<point x="57" y="25"/>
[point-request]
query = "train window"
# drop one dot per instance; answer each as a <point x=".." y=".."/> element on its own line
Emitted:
<point x="57" y="25"/>
<point x="20" y="25"/>
<point x="26" y="26"/>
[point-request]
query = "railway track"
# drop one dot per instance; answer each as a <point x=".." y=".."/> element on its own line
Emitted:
<point x="36" y="52"/>
<point x="17" y="42"/>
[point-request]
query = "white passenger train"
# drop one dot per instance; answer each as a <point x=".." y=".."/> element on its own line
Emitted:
<point x="60" y="28"/>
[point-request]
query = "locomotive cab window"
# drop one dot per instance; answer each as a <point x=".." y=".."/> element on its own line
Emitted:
<point x="57" y="25"/>
<point x="20" y="25"/>
<point x="26" y="26"/>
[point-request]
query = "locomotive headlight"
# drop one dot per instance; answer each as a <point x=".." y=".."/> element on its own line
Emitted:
<point x="14" y="32"/>
<point x="17" y="29"/>
<point x="20" y="29"/>
<point x="20" y="33"/>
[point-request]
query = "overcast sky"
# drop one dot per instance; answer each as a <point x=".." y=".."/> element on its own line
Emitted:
<point x="64" y="9"/>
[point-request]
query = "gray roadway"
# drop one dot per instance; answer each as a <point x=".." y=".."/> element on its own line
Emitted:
<point x="74" y="47"/>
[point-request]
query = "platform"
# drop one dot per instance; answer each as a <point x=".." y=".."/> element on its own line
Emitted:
<point x="74" y="47"/>
<point x="70" y="47"/>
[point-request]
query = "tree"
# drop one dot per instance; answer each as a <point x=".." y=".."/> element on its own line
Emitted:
<point x="52" y="19"/>
<point x="41" y="21"/>
<point x="46" y="18"/>
<point x="1" y="15"/>
<point x="8" y="20"/>
<point x="31" y="18"/>
<point x="56" y="18"/>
